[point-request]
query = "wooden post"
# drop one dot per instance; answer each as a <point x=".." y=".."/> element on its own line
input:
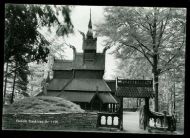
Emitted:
<point x="121" y="113"/>
<point x="99" y="106"/>
<point x="146" y="112"/>
<point x="112" y="120"/>
<point x="165" y="123"/>
<point x="106" y="120"/>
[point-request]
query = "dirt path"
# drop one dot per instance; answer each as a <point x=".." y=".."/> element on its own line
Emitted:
<point x="131" y="122"/>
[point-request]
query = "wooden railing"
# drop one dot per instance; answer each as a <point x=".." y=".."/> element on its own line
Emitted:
<point x="162" y="120"/>
<point x="108" y="120"/>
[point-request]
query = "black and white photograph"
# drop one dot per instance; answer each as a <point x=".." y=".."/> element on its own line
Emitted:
<point x="85" y="68"/>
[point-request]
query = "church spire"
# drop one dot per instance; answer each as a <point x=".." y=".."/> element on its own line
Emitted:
<point x="90" y="22"/>
<point x="90" y="33"/>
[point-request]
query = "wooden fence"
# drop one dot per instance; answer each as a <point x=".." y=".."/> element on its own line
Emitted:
<point x="108" y="120"/>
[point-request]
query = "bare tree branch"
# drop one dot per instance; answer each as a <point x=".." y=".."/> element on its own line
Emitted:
<point x="146" y="55"/>
<point x="142" y="52"/>
<point x="162" y="28"/>
<point x="175" y="54"/>
<point x="171" y="59"/>
<point x="149" y="24"/>
<point x="142" y="44"/>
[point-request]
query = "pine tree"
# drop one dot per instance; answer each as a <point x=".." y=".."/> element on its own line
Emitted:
<point x="23" y="41"/>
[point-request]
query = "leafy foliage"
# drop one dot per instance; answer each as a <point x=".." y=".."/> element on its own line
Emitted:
<point x="154" y="35"/>
<point x="131" y="31"/>
<point x="23" y="41"/>
<point x="21" y="32"/>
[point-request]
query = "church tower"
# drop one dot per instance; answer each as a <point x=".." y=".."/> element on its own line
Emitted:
<point x="89" y="44"/>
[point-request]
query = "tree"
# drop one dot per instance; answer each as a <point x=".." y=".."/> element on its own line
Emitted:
<point x="157" y="34"/>
<point x="23" y="41"/>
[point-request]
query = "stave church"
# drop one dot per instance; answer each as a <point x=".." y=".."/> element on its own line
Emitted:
<point x="81" y="80"/>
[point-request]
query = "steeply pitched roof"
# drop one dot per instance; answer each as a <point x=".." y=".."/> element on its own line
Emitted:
<point x="83" y="96"/>
<point x="78" y="63"/>
<point x="107" y="98"/>
<point x="57" y="84"/>
<point x="87" y="85"/>
<point x="63" y="65"/>
<point x="77" y="96"/>
<point x="111" y="84"/>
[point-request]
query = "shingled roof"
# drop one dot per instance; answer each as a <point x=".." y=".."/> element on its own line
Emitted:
<point x="57" y="84"/>
<point x="135" y="92"/>
<point x="87" y="85"/>
<point x="78" y="63"/>
<point x="112" y="85"/>
<point x="135" y="88"/>
<point x="63" y="65"/>
<point x="77" y="96"/>
<point x="107" y="98"/>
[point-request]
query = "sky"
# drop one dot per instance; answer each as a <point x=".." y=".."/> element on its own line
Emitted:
<point x="80" y="18"/>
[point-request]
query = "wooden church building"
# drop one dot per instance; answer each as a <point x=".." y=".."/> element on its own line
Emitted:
<point x="81" y="80"/>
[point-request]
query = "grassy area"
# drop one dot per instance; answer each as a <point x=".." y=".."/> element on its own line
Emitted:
<point x="43" y="104"/>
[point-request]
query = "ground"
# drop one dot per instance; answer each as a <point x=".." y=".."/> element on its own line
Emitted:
<point x="47" y="104"/>
<point x="131" y="124"/>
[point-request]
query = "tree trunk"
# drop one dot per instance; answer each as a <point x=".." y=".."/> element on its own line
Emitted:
<point x="5" y="87"/>
<point x="12" y="95"/>
<point x="155" y="60"/>
<point x="156" y="91"/>
<point x="156" y="79"/>
<point x="174" y="93"/>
